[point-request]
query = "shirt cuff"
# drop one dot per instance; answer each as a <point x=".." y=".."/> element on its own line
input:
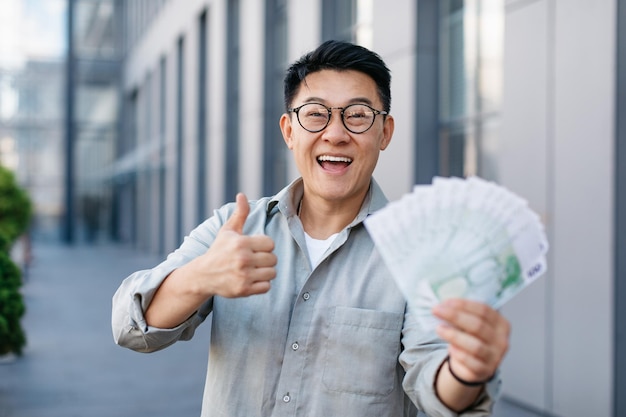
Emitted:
<point x="131" y="301"/>
<point x="430" y="403"/>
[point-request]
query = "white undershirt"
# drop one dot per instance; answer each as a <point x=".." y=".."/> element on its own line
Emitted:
<point x="317" y="247"/>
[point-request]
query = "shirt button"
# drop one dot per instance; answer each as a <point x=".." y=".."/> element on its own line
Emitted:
<point x="306" y="296"/>
<point x="295" y="346"/>
<point x="286" y="398"/>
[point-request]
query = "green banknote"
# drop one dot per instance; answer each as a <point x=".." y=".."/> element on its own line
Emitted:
<point x="466" y="238"/>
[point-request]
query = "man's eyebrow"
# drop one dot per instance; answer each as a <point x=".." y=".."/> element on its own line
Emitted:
<point x="356" y="100"/>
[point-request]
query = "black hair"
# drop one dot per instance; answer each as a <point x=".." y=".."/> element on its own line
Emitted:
<point x="341" y="56"/>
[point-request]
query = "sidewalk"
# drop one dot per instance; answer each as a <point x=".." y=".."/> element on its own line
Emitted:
<point x="72" y="367"/>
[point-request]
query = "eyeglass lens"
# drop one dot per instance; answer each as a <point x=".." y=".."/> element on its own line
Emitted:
<point x="356" y="117"/>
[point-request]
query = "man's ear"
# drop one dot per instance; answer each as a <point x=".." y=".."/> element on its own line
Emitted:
<point x="388" y="127"/>
<point x="286" y="129"/>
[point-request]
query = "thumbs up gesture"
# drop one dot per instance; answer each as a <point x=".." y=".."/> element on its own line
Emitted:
<point x="235" y="265"/>
<point x="239" y="265"/>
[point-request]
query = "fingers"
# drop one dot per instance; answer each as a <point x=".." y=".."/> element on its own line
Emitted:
<point x="244" y="258"/>
<point x="263" y="260"/>
<point x="243" y="274"/>
<point x="466" y="342"/>
<point x="472" y="317"/>
<point x="238" y="218"/>
<point x="244" y="265"/>
<point x="254" y="266"/>
<point x="260" y="243"/>
<point x="478" y="337"/>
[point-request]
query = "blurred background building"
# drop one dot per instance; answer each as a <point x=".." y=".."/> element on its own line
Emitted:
<point x="173" y="106"/>
<point x="32" y="79"/>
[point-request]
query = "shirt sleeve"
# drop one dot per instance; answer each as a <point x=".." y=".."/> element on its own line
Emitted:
<point x="134" y="295"/>
<point x="423" y="353"/>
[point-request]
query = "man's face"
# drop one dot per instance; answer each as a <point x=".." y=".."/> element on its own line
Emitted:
<point x="335" y="163"/>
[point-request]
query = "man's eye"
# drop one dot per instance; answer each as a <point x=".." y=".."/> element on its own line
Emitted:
<point x="356" y="115"/>
<point x="316" y="114"/>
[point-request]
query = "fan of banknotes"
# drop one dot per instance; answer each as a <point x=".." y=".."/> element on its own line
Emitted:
<point x="467" y="238"/>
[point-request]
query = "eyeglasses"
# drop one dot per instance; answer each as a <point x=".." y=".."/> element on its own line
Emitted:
<point x="357" y="118"/>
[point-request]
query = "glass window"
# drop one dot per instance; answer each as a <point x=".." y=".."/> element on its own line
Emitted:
<point x="231" y="174"/>
<point x="349" y="20"/>
<point x="95" y="29"/>
<point x="338" y="19"/>
<point x="471" y="48"/>
<point x="148" y="172"/>
<point x="162" y="164"/>
<point x="202" y="117"/>
<point x="180" y="146"/>
<point x="274" y="149"/>
<point x="97" y="138"/>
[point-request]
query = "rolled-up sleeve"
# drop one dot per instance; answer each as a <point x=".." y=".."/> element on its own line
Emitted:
<point x="129" y="324"/>
<point x="134" y="295"/>
<point x="421" y="358"/>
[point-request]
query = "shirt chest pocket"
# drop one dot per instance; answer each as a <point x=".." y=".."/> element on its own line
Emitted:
<point x="361" y="352"/>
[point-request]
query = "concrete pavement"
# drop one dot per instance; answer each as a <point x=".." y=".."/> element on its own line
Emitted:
<point x="71" y="366"/>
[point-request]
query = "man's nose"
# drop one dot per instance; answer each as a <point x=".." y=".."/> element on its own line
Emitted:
<point x="336" y="132"/>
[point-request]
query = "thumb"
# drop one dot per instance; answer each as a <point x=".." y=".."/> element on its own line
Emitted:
<point x="238" y="218"/>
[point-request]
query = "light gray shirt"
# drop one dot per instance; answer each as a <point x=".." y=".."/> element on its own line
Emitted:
<point x="335" y="340"/>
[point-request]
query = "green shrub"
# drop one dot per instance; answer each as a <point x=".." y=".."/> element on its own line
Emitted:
<point x="15" y="214"/>
<point x="12" y="338"/>
<point x="15" y="207"/>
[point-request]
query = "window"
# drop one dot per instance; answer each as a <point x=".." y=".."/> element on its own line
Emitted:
<point x="338" y="18"/>
<point x="471" y="34"/>
<point x="180" y="75"/>
<point x="274" y="149"/>
<point x="162" y="164"/>
<point x="202" y="115"/>
<point x="148" y="174"/>
<point x="349" y="20"/>
<point x="426" y="162"/>
<point x="231" y="174"/>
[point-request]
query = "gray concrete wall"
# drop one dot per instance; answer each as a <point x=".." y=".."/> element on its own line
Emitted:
<point x="557" y="147"/>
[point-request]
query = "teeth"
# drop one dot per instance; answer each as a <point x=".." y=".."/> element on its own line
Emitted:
<point x="334" y="159"/>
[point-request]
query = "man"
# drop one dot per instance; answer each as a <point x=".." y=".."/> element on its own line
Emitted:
<point x="306" y="319"/>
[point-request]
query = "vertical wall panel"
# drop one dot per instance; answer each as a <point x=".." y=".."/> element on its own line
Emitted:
<point x="398" y="48"/>
<point x="251" y="97"/>
<point x="190" y="127"/>
<point x="161" y="155"/>
<point x="217" y="117"/>
<point x="556" y="150"/>
<point x="304" y="28"/>
<point x="620" y="218"/>
<point x="522" y="165"/>
<point x="584" y="72"/>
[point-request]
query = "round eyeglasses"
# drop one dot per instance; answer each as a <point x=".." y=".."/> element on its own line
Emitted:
<point x="357" y="118"/>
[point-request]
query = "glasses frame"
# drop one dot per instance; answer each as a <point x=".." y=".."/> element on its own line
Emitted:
<point x="376" y="112"/>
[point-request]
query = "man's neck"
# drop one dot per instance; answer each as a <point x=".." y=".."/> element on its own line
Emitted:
<point x="321" y="218"/>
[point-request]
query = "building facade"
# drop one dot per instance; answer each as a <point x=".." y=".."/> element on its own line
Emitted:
<point x="522" y="92"/>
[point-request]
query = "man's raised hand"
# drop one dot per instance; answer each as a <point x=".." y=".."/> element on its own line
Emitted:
<point x="235" y="265"/>
<point x="239" y="265"/>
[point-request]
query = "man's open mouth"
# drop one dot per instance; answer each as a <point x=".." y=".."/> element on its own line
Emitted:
<point x="332" y="163"/>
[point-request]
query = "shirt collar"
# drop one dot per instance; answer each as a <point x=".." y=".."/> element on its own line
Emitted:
<point x="288" y="198"/>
